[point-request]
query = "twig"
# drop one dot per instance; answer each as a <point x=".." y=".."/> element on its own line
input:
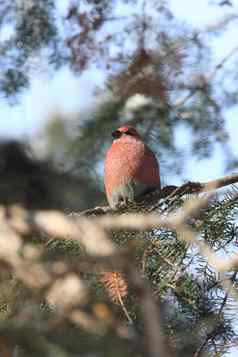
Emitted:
<point x="123" y="306"/>
<point x="155" y="341"/>
<point x="223" y="61"/>
<point x="192" y="90"/>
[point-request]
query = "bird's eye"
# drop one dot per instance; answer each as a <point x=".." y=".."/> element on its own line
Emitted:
<point x="128" y="132"/>
<point x="116" y="134"/>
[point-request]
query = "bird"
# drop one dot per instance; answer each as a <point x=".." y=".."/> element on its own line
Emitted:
<point x="131" y="169"/>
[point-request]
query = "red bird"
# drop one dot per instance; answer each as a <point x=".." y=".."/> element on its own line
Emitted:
<point x="131" y="168"/>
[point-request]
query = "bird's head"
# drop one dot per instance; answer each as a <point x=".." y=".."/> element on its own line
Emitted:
<point x="125" y="130"/>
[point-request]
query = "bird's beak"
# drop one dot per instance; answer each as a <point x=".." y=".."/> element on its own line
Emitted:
<point x="116" y="134"/>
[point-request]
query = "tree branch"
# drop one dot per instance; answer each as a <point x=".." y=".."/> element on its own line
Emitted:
<point x="151" y="200"/>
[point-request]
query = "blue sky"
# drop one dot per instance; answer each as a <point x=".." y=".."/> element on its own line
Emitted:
<point x="198" y="14"/>
<point x="69" y="94"/>
<point x="47" y="95"/>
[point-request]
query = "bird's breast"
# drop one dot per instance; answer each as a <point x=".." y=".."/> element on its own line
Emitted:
<point x="125" y="159"/>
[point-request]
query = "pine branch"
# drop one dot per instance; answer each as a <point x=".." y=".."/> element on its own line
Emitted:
<point x="152" y="199"/>
<point x="93" y="235"/>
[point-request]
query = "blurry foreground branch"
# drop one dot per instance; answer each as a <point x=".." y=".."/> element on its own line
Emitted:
<point x="61" y="282"/>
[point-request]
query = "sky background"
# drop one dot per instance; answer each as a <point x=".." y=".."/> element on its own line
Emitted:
<point x="68" y="94"/>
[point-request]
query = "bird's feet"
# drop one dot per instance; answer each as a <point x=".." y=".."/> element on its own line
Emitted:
<point x="125" y="203"/>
